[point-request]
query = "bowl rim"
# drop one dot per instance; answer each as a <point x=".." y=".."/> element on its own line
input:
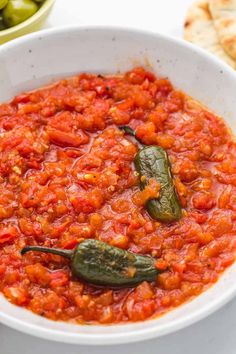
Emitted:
<point x="46" y="5"/>
<point x="136" y="334"/>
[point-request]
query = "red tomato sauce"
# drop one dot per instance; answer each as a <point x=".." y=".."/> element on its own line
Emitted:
<point x="67" y="174"/>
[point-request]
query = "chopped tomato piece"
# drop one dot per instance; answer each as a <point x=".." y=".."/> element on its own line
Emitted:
<point x="67" y="139"/>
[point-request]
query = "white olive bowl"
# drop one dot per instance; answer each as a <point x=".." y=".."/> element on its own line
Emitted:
<point x="37" y="59"/>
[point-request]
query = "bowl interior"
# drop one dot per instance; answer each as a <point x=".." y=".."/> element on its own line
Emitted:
<point x="40" y="58"/>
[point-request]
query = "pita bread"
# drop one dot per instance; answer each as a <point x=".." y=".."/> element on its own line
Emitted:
<point x="199" y="29"/>
<point x="224" y="17"/>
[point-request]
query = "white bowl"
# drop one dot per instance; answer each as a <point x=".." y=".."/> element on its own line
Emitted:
<point x="36" y="59"/>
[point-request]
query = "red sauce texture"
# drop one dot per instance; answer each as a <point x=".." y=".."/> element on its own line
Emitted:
<point x="67" y="174"/>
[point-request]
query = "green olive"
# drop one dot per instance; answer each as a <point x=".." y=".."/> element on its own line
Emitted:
<point x="18" y="11"/>
<point x="2" y="26"/>
<point x="3" y="3"/>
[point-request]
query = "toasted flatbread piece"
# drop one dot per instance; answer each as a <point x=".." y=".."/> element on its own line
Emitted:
<point x="199" y="29"/>
<point x="224" y="16"/>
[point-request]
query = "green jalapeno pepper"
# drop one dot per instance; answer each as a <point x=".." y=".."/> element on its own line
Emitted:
<point x="99" y="263"/>
<point x="153" y="162"/>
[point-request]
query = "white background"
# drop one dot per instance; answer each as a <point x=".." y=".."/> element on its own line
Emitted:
<point x="217" y="333"/>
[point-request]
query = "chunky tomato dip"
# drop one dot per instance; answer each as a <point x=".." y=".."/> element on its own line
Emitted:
<point x="67" y="174"/>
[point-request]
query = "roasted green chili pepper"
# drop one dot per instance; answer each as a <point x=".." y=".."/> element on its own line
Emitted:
<point x="99" y="263"/>
<point x="153" y="162"/>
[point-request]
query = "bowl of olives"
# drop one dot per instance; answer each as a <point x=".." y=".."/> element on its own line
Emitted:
<point x="19" y="17"/>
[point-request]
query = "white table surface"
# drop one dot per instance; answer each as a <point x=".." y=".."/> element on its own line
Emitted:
<point x="213" y="335"/>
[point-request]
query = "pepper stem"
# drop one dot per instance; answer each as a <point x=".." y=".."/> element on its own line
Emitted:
<point x="129" y="131"/>
<point x="64" y="253"/>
